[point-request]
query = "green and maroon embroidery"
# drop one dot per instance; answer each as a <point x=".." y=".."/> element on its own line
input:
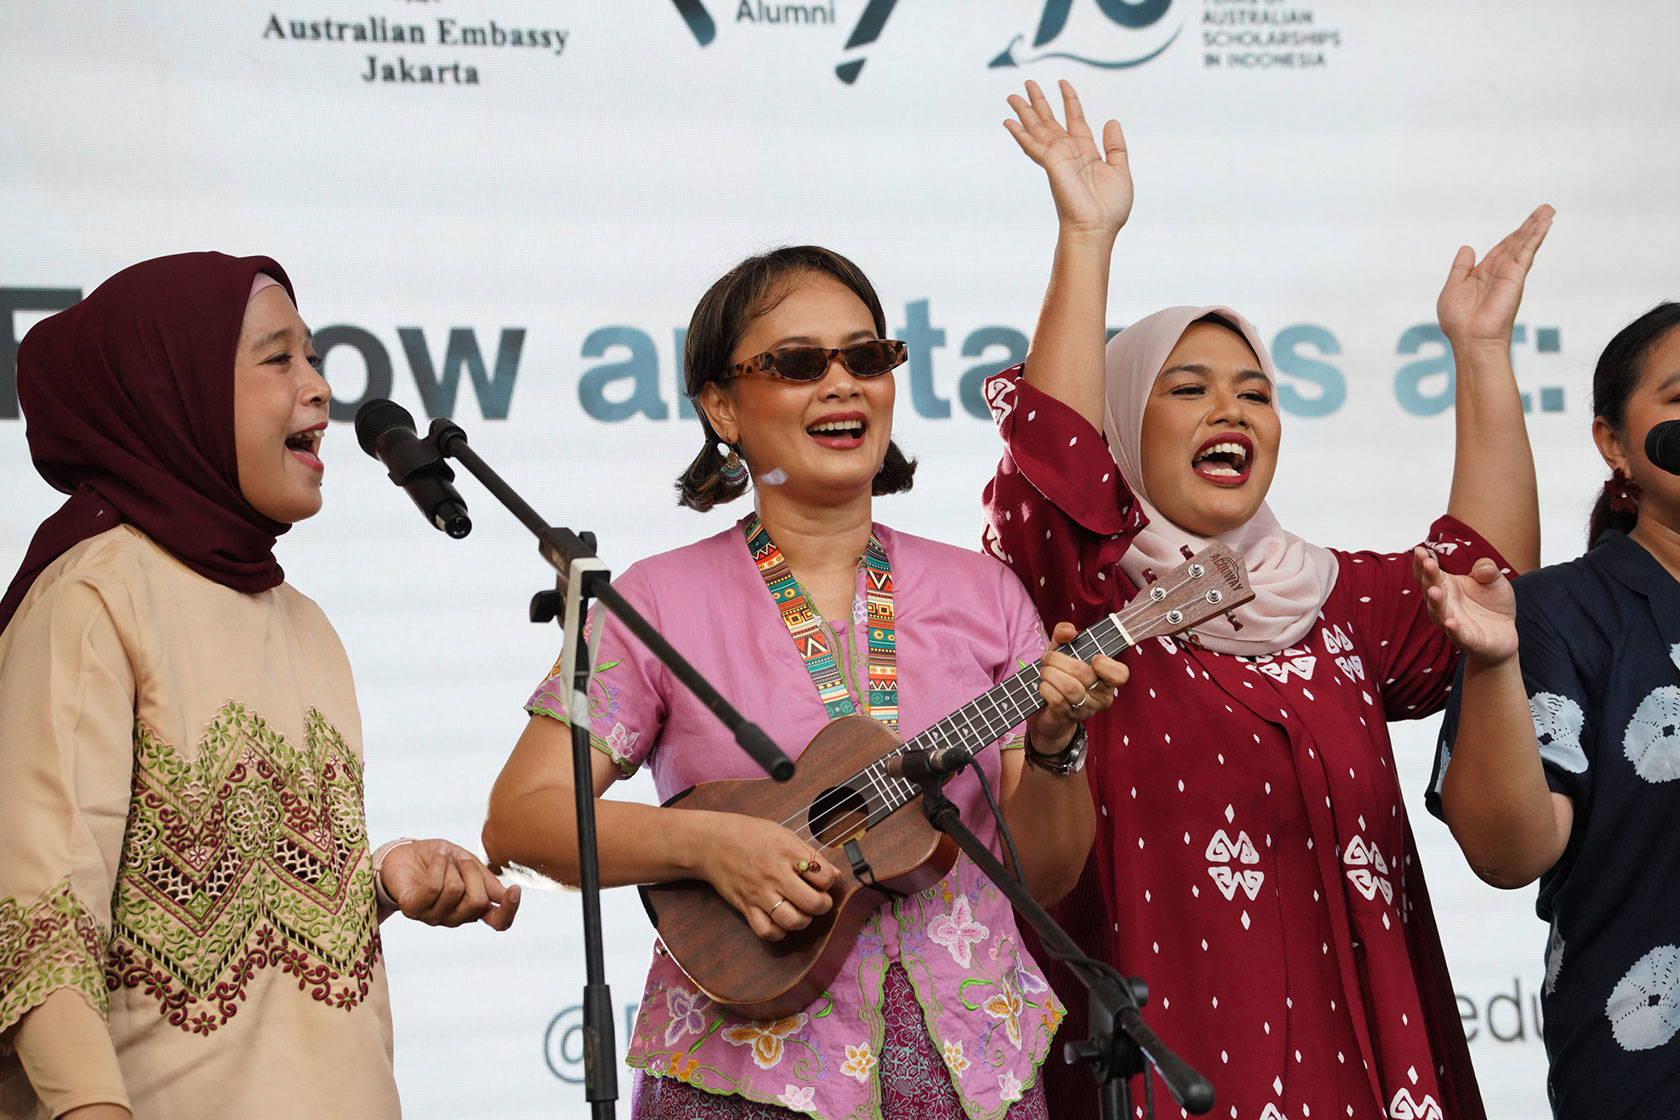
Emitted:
<point x="50" y="944"/>
<point x="252" y="855"/>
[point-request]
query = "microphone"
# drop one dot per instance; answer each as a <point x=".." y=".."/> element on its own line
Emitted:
<point x="1662" y="446"/>
<point x="919" y="766"/>
<point x="386" y="431"/>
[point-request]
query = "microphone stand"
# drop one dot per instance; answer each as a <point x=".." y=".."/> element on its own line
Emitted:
<point x="1115" y="1055"/>
<point x="579" y="576"/>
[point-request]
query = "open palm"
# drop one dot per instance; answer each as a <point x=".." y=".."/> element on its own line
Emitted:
<point x="1092" y="186"/>
<point x="1477" y="611"/>
<point x="1479" y="302"/>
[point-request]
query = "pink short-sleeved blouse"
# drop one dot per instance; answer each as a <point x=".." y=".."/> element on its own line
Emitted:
<point x="963" y="624"/>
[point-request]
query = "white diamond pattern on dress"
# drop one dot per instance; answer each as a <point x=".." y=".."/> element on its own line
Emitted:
<point x="1406" y="1107"/>
<point x="1367" y="869"/>
<point x="1222" y="851"/>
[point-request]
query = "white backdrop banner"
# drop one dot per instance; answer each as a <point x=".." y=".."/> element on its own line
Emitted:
<point x="504" y="210"/>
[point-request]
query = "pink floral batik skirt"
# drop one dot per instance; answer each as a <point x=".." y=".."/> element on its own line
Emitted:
<point x="914" y="1082"/>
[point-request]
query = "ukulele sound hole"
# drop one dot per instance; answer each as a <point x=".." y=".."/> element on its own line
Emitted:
<point x="840" y="813"/>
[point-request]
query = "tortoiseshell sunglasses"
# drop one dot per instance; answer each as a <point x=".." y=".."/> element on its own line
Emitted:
<point x="810" y="363"/>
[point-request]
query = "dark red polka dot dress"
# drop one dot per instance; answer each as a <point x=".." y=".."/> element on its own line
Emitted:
<point x="1253" y="859"/>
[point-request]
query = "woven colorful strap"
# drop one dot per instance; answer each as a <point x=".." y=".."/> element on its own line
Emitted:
<point x="883" y="643"/>
<point x="811" y="638"/>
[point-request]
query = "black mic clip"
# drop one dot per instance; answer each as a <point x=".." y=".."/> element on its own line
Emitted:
<point x="922" y="766"/>
<point x="385" y="431"/>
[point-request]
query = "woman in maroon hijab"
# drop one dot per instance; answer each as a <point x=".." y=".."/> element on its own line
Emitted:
<point x="189" y="909"/>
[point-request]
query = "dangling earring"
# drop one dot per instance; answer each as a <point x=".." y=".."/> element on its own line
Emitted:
<point x="1623" y="491"/>
<point x="733" y="471"/>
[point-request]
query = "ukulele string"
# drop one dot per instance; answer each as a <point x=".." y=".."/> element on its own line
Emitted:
<point x="878" y="795"/>
<point x="884" y="790"/>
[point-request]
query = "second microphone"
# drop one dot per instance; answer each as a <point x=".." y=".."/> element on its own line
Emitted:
<point x="386" y="431"/>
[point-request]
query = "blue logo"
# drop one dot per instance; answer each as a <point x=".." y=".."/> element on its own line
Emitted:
<point x="1150" y="33"/>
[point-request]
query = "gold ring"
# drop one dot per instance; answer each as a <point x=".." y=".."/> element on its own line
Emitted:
<point x="772" y="911"/>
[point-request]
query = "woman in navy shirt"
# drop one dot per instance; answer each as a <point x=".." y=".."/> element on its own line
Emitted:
<point x="1562" y="761"/>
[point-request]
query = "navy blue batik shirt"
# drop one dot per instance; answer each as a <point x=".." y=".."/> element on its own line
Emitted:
<point x="1600" y="653"/>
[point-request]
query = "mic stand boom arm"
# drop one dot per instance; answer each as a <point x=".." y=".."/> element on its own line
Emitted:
<point x="573" y="557"/>
<point x="580" y="575"/>
<point x="1115" y="1054"/>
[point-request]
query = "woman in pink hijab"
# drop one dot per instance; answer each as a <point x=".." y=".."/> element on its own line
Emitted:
<point x="1253" y="859"/>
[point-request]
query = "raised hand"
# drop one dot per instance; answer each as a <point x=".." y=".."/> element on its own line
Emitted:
<point x="443" y="884"/>
<point x="1478" y="611"/>
<point x="1092" y="186"/>
<point x="775" y="879"/>
<point x="1478" y="305"/>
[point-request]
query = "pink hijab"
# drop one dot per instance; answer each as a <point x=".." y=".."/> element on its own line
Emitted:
<point x="1291" y="578"/>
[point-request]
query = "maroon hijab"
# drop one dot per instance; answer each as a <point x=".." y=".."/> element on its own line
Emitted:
<point x="128" y="398"/>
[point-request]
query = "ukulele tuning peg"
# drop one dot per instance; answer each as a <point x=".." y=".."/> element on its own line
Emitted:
<point x="1231" y="617"/>
<point x="1193" y="638"/>
<point x="1184" y="550"/>
<point x="1149" y="575"/>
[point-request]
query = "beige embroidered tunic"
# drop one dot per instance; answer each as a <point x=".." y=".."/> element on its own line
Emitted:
<point x="187" y="916"/>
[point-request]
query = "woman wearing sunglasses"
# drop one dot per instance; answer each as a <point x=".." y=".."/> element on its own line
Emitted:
<point x="807" y="610"/>
<point x="1253" y="860"/>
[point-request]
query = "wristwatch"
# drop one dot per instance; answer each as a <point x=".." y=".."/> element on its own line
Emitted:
<point x="1069" y="760"/>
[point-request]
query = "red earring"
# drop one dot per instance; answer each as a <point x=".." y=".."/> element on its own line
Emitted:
<point x="1623" y="491"/>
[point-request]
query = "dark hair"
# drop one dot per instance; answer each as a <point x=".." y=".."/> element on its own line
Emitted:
<point x="1219" y="320"/>
<point x="720" y="319"/>
<point x="1616" y="377"/>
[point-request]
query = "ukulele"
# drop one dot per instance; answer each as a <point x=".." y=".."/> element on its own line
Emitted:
<point x="844" y="804"/>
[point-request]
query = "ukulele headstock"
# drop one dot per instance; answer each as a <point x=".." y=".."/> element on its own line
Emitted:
<point x="1212" y="582"/>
